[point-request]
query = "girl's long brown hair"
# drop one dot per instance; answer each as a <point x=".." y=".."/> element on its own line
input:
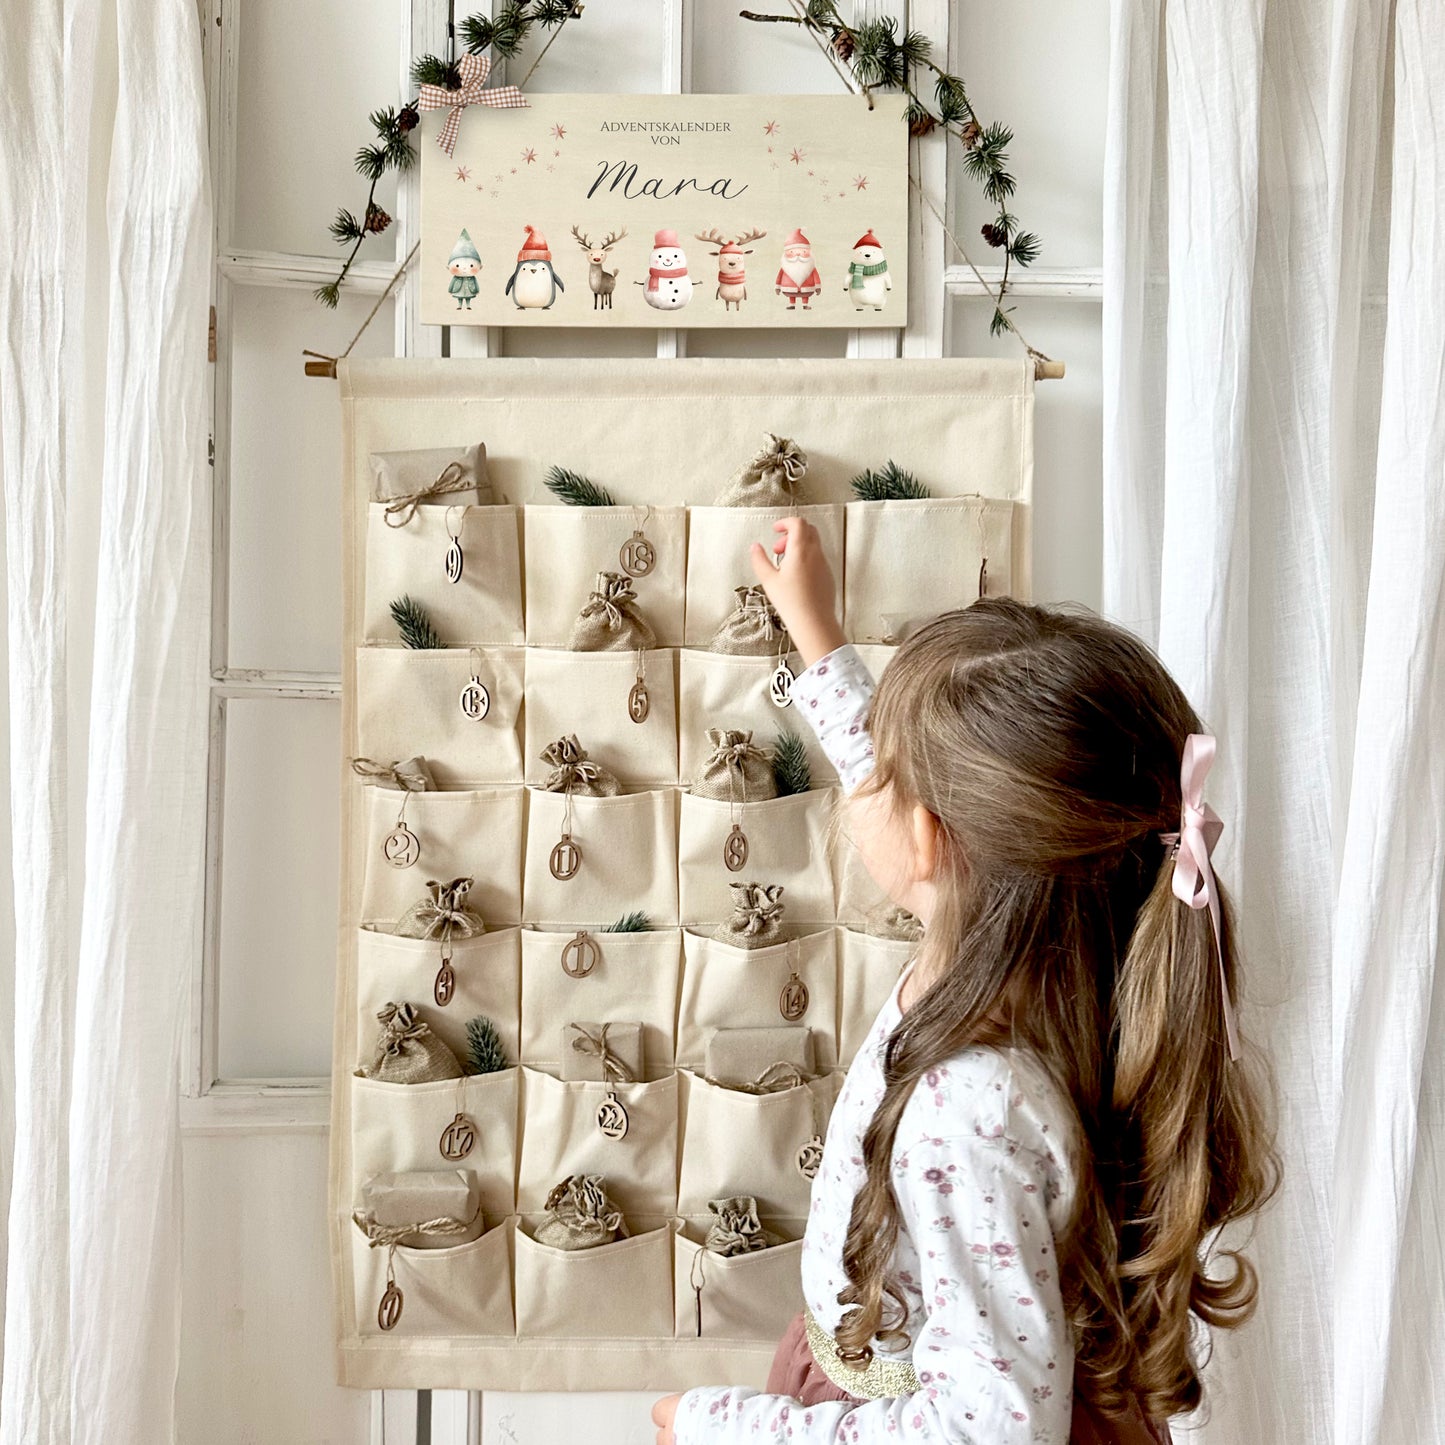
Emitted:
<point x="1047" y="745"/>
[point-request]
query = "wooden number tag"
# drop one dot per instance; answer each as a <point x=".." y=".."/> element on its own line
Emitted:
<point x="458" y="1139"/>
<point x="735" y="850"/>
<point x="780" y="688"/>
<point x="566" y="859"/>
<point x="810" y="1156"/>
<point x="793" y="1001"/>
<point x="580" y="955"/>
<point x="475" y="701"/>
<point x="401" y="847"/>
<point x="445" y="984"/>
<point x="639" y="703"/>
<point x="388" y="1312"/>
<point x="638" y="556"/>
<point x="612" y="1118"/>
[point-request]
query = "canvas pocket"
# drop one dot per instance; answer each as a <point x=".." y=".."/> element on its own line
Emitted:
<point x="588" y="694"/>
<point x="738" y="988"/>
<point x="484" y="604"/>
<point x="868" y="970"/>
<point x="466" y="1123"/>
<point x="568" y="546"/>
<point x="717" y="691"/>
<point x="403" y="970"/>
<point x="599" y="976"/>
<point x="737" y="1297"/>
<point x="718" y="558"/>
<point x="737" y="1143"/>
<point x="907" y="561"/>
<point x="465" y="1290"/>
<point x="472" y="834"/>
<point x="409" y="703"/>
<point x="626" y="859"/>
<point x="560" y="1136"/>
<point x="613" y="1291"/>
<point x="787" y="843"/>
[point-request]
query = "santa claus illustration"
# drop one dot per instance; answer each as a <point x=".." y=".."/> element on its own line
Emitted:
<point x="798" y="278"/>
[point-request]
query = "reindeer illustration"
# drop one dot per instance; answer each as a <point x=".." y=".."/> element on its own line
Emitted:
<point x="601" y="281"/>
<point x="732" y="278"/>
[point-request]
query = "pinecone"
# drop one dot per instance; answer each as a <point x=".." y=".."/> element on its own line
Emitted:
<point x="843" y="46"/>
<point x="921" y="123"/>
<point x="408" y="119"/>
<point x="994" y="235"/>
<point x="969" y="134"/>
<point x="376" y="219"/>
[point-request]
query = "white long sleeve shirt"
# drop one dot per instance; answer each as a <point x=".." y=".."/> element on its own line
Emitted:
<point x="982" y="1176"/>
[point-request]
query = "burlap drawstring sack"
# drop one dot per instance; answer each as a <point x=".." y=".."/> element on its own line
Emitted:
<point x="771" y="479"/>
<point x="580" y="1215"/>
<point x="410" y="775"/>
<point x="610" y="621"/>
<point x="735" y="1228"/>
<point x="430" y="476"/>
<point x="735" y="771"/>
<point x="442" y="913"/>
<point x="752" y="629"/>
<point x="574" y="772"/>
<point x="407" y="1052"/>
<point x="895" y="923"/>
<point x="757" y="920"/>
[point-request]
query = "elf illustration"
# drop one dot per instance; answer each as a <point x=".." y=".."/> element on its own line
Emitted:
<point x="797" y="278"/>
<point x="464" y="263"/>
<point x="868" y="280"/>
<point x="534" y="284"/>
<point x="669" y="287"/>
<point x="732" y="278"/>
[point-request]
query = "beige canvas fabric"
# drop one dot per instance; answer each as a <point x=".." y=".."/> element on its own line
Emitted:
<point x="484" y="605"/>
<point x="867" y="970"/>
<point x="742" y="1297"/>
<point x="504" y="1312"/>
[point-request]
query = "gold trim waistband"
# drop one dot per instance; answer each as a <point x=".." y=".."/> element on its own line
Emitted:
<point x="883" y="1379"/>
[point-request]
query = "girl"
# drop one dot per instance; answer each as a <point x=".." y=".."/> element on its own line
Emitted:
<point x="1045" y="1124"/>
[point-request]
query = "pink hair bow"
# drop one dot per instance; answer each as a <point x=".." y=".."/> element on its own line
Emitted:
<point x="474" y="70"/>
<point x="1199" y="831"/>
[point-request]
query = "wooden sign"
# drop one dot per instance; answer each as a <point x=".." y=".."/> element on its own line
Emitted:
<point x="667" y="210"/>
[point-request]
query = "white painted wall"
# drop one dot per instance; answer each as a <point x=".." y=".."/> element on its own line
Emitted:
<point x="256" y="1367"/>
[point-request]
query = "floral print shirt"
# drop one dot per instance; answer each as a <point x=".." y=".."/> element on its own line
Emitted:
<point x="982" y="1176"/>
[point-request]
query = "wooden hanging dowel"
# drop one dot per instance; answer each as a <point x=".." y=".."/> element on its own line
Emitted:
<point x="1048" y="370"/>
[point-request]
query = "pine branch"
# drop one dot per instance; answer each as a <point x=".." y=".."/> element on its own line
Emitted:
<point x="414" y="623"/>
<point x="791" y="768"/>
<point x="485" y="1054"/>
<point x="635" y="922"/>
<point x="577" y="490"/>
<point x="890" y="483"/>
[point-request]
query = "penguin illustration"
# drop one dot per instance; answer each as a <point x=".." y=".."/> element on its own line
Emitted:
<point x="534" y="284"/>
<point x="464" y="263"/>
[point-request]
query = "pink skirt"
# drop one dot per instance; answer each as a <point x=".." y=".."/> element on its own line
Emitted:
<point x="795" y="1372"/>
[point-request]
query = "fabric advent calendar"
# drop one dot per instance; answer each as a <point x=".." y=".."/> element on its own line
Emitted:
<point x="605" y="947"/>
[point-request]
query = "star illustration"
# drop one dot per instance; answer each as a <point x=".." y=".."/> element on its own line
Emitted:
<point x="810" y="173"/>
<point x="770" y="127"/>
<point x="842" y="193"/>
<point x="514" y="170"/>
<point x="464" y="173"/>
<point x="860" y="183"/>
<point x="495" y="194"/>
<point x="481" y="185"/>
<point x="499" y="175"/>
<point x="529" y="155"/>
<point x="797" y="156"/>
<point x="826" y="199"/>
<point x="559" y="132"/>
<point x="556" y="153"/>
<point x="550" y="166"/>
<point x="770" y="150"/>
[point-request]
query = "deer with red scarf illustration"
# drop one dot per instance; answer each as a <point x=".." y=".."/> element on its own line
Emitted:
<point x="732" y="288"/>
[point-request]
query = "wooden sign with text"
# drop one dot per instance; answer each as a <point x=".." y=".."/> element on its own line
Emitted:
<point x="668" y="210"/>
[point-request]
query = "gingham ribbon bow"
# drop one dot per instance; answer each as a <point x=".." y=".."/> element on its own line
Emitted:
<point x="474" y="71"/>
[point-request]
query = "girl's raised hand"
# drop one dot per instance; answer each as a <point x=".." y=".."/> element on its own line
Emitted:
<point x="801" y="587"/>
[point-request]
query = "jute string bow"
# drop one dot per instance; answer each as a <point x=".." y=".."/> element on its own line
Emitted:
<point x="570" y="765"/>
<point x="756" y="907"/>
<point x="611" y="592"/>
<point x="775" y="1079"/>
<point x="399" y="1026"/>
<point x="388" y="1236"/>
<point x="736" y="1228"/>
<point x="782" y="458"/>
<point x="397" y="774"/>
<point x="452" y="478"/>
<point x="614" y="1068"/>
<point x="444" y="912"/>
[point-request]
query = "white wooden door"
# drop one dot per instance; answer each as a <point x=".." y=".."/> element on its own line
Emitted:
<point x="290" y="88"/>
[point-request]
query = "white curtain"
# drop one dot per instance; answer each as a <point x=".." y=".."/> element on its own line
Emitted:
<point x="1275" y="522"/>
<point x="104" y="276"/>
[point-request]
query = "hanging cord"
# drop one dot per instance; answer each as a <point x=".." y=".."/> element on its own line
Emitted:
<point x="325" y="365"/>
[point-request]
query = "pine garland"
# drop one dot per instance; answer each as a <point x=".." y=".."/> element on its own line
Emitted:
<point x="635" y="922"/>
<point x="413" y="621"/>
<point x="485" y="1054"/>
<point x="504" y="33"/>
<point x="890" y="483"/>
<point x="577" y="490"/>
<point x="882" y="59"/>
<point x="791" y="770"/>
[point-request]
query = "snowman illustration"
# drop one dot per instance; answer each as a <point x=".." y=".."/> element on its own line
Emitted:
<point x="669" y="287"/>
<point x="868" y="280"/>
<point x="464" y="263"/>
<point x="534" y="284"/>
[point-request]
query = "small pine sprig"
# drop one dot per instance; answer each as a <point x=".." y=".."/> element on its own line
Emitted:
<point x="890" y="483"/>
<point x="791" y="770"/>
<point x="577" y="490"/>
<point x="634" y="922"/>
<point x="485" y="1054"/>
<point x="414" y="623"/>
